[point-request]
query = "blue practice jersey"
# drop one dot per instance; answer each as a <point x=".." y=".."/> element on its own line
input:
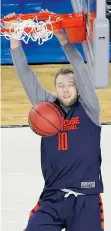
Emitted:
<point x="72" y="158"/>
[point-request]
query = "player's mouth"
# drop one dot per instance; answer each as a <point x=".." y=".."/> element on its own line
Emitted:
<point x="66" y="97"/>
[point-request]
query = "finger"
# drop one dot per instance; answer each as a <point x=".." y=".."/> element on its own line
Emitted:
<point x="9" y="15"/>
<point x="42" y="10"/>
<point x="13" y="14"/>
<point x="48" y="11"/>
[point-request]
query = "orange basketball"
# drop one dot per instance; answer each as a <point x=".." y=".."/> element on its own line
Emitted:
<point x="45" y="119"/>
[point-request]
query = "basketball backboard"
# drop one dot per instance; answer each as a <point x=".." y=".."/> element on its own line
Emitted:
<point x="96" y="46"/>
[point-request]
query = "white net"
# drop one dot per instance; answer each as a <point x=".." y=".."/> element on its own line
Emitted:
<point x="31" y="29"/>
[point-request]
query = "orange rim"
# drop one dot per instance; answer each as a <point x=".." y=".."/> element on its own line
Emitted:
<point x="57" y="20"/>
<point x="74" y="24"/>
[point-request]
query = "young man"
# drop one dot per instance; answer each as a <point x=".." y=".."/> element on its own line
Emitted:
<point x="71" y="160"/>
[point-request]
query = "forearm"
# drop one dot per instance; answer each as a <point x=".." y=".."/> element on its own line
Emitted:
<point x="30" y="82"/>
<point x="14" y="43"/>
<point x="61" y="36"/>
<point x="81" y="73"/>
<point x="20" y="61"/>
<point x="84" y="83"/>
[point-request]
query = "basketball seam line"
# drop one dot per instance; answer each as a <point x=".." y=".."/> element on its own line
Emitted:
<point x="46" y="119"/>
<point x="37" y="127"/>
<point x="33" y="129"/>
<point x="55" y="110"/>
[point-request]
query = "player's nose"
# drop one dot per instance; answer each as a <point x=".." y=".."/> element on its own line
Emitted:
<point x="66" y="89"/>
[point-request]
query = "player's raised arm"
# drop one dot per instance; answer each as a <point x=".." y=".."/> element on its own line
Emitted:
<point x="31" y="84"/>
<point x="83" y="80"/>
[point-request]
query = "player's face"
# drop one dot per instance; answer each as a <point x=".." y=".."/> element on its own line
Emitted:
<point x="66" y="89"/>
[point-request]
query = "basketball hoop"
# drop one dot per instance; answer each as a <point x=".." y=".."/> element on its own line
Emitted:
<point x="40" y="27"/>
<point x="29" y="30"/>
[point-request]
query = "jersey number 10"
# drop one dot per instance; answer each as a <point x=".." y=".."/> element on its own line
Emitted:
<point x="62" y="141"/>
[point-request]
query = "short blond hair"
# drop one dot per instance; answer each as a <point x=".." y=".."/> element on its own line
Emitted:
<point x="63" y="71"/>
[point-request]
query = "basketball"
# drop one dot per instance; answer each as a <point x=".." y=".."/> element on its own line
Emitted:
<point x="45" y="119"/>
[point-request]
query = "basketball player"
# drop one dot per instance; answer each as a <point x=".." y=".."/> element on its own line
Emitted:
<point x="71" y="160"/>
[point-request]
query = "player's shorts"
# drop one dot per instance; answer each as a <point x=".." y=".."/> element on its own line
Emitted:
<point x="55" y="212"/>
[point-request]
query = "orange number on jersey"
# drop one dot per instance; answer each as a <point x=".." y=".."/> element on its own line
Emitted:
<point x="62" y="141"/>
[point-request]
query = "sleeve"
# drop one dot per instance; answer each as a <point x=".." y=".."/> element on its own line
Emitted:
<point x="31" y="84"/>
<point x="84" y="83"/>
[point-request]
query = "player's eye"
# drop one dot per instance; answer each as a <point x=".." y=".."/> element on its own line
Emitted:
<point x="71" y="84"/>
